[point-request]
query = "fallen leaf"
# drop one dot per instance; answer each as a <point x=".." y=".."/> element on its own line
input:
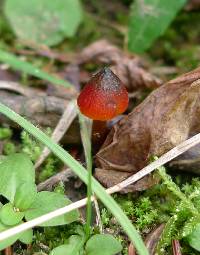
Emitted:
<point x="167" y="117"/>
<point x="111" y="177"/>
<point x="127" y="67"/>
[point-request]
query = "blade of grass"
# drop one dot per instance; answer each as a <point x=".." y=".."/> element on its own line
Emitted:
<point x="30" y="69"/>
<point x="107" y="200"/>
<point x="86" y="129"/>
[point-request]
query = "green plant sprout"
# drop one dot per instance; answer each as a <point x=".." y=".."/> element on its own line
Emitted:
<point x="17" y="185"/>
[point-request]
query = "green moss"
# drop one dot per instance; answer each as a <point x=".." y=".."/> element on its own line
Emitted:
<point x="60" y="188"/>
<point x="179" y="46"/>
<point x="142" y="212"/>
<point x="30" y="146"/>
<point x="9" y="148"/>
<point x="5" y="133"/>
<point x="186" y="213"/>
<point x="52" y="237"/>
<point x="50" y="168"/>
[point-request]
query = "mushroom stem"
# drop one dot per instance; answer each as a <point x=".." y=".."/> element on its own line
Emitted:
<point x="99" y="133"/>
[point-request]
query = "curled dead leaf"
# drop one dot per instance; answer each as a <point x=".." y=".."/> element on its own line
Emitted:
<point x="168" y="116"/>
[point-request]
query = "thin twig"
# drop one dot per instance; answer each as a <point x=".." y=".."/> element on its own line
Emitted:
<point x="168" y="156"/>
<point x="64" y="123"/>
<point x="131" y="249"/>
<point x="98" y="215"/>
<point x="17" y="87"/>
<point x="173" y="153"/>
<point x="8" y="251"/>
<point x="62" y="176"/>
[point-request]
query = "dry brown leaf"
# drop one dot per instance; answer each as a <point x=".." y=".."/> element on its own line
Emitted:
<point x="111" y="177"/>
<point x="126" y="66"/>
<point x="168" y="116"/>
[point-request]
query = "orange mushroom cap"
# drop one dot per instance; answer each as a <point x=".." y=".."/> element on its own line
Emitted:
<point x="103" y="97"/>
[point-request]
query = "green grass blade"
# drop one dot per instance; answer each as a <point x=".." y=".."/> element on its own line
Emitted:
<point x="28" y="68"/>
<point x="80" y="171"/>
<point x="86" y="130"/>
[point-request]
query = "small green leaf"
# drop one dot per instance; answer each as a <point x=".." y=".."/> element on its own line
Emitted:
<point x="27" y="236"/>
<point x="9" y="215"/>
<point x="15" y="170"/>
<point x="102" y="245"/>
<point x="149" y="20"/>
<point x="25" y="196"/>
<point x="9" y="241"/>
<point x="194" y="238"/>
<point x="43" y="21"/>
<point x="49" y="201"/>
<point x="72" y="247"/>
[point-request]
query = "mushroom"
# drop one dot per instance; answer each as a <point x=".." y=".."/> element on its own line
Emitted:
<point x="103" y="98"/>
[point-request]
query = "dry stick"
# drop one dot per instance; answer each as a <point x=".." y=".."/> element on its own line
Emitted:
<point x="64" y="123"/>
<point x="176" y="247"/>
<point x="8" y="251"/>
<point x="50" y="182"/>
<point x="98" y="215"/>
<point x="173" y="153"/>
<point x="17" y="87"/>
<point x="168" y="156"/>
